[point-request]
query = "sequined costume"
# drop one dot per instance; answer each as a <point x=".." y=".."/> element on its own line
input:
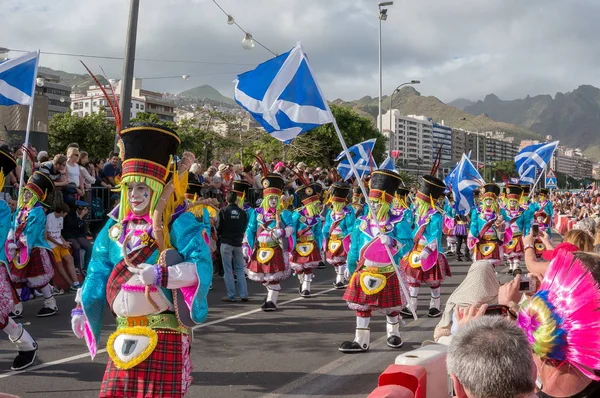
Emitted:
<point x="519" y="221"/>
<point x="543" y="212"/>
<point x="426" y="263"/>
<point x="374" y="285"/>
<point x="337" y="229"/>
<point x="268" y="240"/>
<point x="29" y="256"/>
<point x="153" y="273"/>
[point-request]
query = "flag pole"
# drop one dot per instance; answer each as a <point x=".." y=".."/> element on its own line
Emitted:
<point x="536" y="182"/>
<point x="28" y="129"/>
<point x="403" y="288"/>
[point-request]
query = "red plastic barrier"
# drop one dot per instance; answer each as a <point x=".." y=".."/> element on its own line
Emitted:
<point x="412" y="377"/>
<point x="391" y="391"/>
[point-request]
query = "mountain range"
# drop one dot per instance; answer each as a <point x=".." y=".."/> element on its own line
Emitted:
<point x="410" y="102"/>
<point x="206" y="92"/>
<point x="572" y="117"/>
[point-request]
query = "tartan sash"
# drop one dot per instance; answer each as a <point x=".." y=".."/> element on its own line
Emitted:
<point x="120" y="274"/>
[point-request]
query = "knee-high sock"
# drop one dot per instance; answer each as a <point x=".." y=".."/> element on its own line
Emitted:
<point x="413" y="291"/>
<point x="12" y="329"/>
<point x="435" y="298"/>
<point x="46" y="291"/>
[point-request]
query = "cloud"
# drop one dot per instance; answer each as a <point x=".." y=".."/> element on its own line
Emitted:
<point x="463" y="48"/>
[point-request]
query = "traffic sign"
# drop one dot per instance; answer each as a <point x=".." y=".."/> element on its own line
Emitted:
<point x="550" y="179"/>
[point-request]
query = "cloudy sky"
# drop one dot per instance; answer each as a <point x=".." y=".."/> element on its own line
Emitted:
<point x="458" y="48"/>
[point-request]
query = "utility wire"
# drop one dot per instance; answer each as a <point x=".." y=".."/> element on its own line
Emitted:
<point x="139" y="59"/>
<point x="242" y="29"/>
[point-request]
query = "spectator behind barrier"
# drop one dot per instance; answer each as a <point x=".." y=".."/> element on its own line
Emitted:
<point x="490" y="357"/>
<point x="562" y="322"/>
<point x="480" y="286"/>
<point x="573" y="240"/>
<point x="588" y="225"/>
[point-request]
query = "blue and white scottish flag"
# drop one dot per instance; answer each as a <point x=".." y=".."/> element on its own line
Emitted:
<point x="534" y="158"/>
<point x="283" y="96"/>
<point x="361" y="157"/>
<point x="17" y="78"/>
<point x="388" y="164"/>
<point x="463" y="180"/>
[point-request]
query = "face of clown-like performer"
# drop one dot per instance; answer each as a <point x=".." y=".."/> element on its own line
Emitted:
<point x="139" y="196"/>
<point x="27" y="195"/>
<point x="541" y="197"/>
<point x="513" y="204"/>
<point x="488" y="202"/>
<point x="273" y="201"/>
<point x="375" y="205"/>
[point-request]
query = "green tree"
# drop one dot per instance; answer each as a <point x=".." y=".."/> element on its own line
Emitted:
<point x="505" y="168"/>
<point x="93" y="133"/>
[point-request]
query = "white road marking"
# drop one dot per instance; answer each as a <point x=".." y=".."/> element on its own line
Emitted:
<point x="203" y="325"/>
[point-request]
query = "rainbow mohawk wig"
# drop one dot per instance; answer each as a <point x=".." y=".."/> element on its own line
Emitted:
<point x="562" y="320"/>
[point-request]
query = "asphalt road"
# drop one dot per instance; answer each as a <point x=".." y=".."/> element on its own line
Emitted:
<point x="240" y="351"/>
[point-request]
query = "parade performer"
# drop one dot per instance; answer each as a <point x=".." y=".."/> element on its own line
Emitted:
<point x="426" y="263"/>
<point x="306" y="221"/>
<point x="487" y="231"/>
<point x="518" y="221"/>
<point x="25" y="344"/>
<point x="269" y="239"/>
<point x="461" y="226"/>
<point x="402" y="214"/>
<point x="542" y="217"/>
<point x="358" y="203"/>
<point x="449" y="223"/>
<point x="242" y="188"/>
<point x="337" y="230"/>
<point x="152" y="267"/>
<point x="374" y="285"/>
<point x="30" y="259"/>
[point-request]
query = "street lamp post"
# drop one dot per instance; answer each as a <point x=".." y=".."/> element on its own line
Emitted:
<point x="392" y="97"/>
<point x="382" y="17"/>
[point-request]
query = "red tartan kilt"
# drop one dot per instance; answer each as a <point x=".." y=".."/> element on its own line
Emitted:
<point x="435" y="275"/>
<point x="314" y="256"/>
<point x="35" y="266"/>
<point x="160" y="375"/>
<point x="274" y="265"/>
<point x="331" y="256"/>
<point x="494" y="255"/>
<point x="388" y="297"/>
<point x="518" y="249"/>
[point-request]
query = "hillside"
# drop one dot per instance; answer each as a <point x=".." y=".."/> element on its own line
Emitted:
<point x="206" y="92"/>
<point x="461" y="103"/>
<point x="571" y="117"/>
<point x="79" y="83"/>
<point x="410" y="102"/>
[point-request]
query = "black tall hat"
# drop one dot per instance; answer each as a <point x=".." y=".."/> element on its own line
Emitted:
<point x="340" y="191"/>
<point x="383" y="185"/>
<point x="241" y="186"/>
<point x="272" y="184"/>
<point x="7" y="162"/>
<point x="491" y="190"/>
<point x="356" y="191"/>
<point x="402" y="191"/>
<point x="148" y="148"/>
<point x="194" y="187"/>
<point x="41" y="184"/>
<point x="543" y="191"/>
<point x="308" y="193"/>
<point x="431" y="187"/>
<point x="526" y="189"/>
<point x="514" y="191"/>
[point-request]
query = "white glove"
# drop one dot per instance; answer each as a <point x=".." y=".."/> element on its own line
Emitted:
<point x="78" y="325"/>
<point x="246" y="252"/>
<point x="347" y="274"/>
<point x="278" y="233"/>
<point x="289" y="231"/>
<point x="146" y="273"/>
<point x="385" y="240"/>
<point x="12" y="249"/>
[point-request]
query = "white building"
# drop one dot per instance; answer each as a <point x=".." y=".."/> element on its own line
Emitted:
<point x="412" y="136"/>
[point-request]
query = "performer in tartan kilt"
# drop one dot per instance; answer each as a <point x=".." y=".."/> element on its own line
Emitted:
<point x="425" y="263"/>
<point x="374" y="284"/>
<point x="402" y="214"/>
<point x="26" y="346"/>
<point x="242" y="188"/>
<point x="202" y="210"/>
<point x="152" y="266"/>
<point x="449" y="223"/>
<point x="543" y="212"/>
<point x="306" y="222"/>
<point x="487" y="231"/>
<point x="337" y="230"/>
<point x="30" y="259"/>
<point x="520" y="223"/>
<point x="358" y="202"/>
<point x="269" y="239"/>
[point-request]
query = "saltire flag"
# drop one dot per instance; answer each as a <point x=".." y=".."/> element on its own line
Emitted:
<point x="361" y="157"/>
<point x="534" y="158"/>
<point x="17" y="77"/>
<point x="463" y="180"/>
<point x="283" y="96"/>
<point x="388" y="164"/>
<point x="529" y="176"/>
